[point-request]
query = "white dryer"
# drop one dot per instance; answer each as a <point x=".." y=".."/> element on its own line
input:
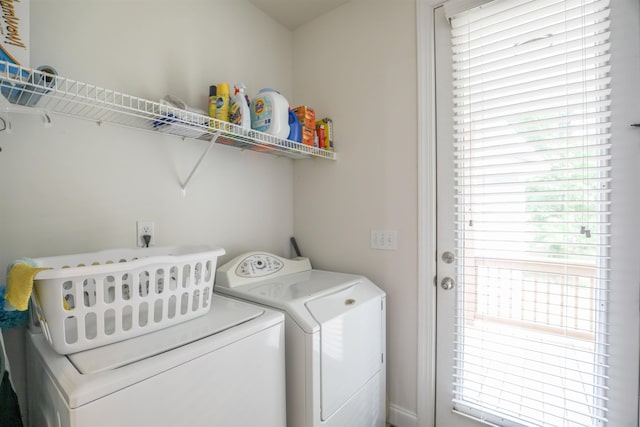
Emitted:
<point x="225" y="368"/>
<point x="334" y="337"/>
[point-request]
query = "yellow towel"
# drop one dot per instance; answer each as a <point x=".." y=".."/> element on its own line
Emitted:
<point x="20" y="284"/>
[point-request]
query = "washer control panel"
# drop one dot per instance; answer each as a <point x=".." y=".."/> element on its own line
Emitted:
<point x="259" y="265"/>
<point x="255" y="266"/>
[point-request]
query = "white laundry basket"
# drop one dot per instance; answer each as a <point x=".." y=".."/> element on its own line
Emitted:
<point x="92" y="299"/>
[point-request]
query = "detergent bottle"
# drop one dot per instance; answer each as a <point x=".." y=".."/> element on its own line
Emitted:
<point x="295" y="129"/>
<point x="270" y="113"/>
<point x="239" y="113"/>
<point x="213" y="101"/>
<point x="222" y="105"/>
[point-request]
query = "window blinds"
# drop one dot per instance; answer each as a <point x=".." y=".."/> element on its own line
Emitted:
<point x="531" y="143"/>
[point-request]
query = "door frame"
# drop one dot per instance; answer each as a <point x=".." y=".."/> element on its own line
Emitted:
<point x="426" y="380"/>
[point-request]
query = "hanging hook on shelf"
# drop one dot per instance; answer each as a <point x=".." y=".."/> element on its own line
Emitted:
<point x="6" y="122"/>
<point x="8" y="109"/>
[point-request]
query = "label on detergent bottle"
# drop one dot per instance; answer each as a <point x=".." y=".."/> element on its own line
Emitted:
<point x="222" y="102"/>
<point x="262" y="114"/>
<point x="235" y="113"/>
<point x="222" y="108"/>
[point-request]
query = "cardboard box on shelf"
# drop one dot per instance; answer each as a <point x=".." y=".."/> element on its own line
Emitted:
<point x="307" y="135"/>
<point x="306" y="116"/>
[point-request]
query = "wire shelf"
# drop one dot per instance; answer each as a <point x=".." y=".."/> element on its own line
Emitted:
<point x="52" y="93"/>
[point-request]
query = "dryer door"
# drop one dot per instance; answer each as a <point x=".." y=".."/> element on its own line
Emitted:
<point x="351" y="328"/>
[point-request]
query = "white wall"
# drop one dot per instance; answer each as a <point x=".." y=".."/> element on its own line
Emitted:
<point x="79" y="187"/>
<point x="357" y="65"/>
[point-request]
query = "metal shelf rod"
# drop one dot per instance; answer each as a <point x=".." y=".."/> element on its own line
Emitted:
<point x="197" y="165"/>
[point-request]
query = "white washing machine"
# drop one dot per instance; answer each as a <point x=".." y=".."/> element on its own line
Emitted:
<point x="334" y="337"/>
<point x="225" y="368"/>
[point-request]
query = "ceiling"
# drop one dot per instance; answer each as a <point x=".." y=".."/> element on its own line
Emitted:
<point x="293" y="13"/>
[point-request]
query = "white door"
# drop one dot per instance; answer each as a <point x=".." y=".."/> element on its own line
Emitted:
<point x="494" y="304"/>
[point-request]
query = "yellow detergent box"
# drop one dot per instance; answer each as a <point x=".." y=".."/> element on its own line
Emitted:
<point x="326" y="125"/>
<point x="14" y="32"/>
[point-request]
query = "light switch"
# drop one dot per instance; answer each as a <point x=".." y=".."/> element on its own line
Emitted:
<point x="386" y="240"/>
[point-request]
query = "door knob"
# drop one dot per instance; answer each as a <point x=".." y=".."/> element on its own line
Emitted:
<point x="447" y="283"/>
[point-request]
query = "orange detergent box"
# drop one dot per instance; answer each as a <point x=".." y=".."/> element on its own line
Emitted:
<point x="306" y="117"/>
<point x="307" y="135"/>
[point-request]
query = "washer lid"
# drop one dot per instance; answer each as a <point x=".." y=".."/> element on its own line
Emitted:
<point x="291" y="292"/>
<point x="78" y="389"/>
<point x="223" y="315"/>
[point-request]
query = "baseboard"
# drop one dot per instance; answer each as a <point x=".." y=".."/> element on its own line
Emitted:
<point x="400" y="417"/>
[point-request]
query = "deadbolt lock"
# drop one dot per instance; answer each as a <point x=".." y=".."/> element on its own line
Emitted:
<point x="448" y="257"/>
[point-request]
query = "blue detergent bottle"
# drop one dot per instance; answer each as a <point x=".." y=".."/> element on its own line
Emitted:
<point x="295" y="130"/>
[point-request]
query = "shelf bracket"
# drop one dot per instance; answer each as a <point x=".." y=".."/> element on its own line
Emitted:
<point x="197" y="165"/>
<point x="8" y="109"/>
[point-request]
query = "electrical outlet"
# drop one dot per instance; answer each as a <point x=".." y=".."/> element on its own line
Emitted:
<point x="144" y="228"/>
